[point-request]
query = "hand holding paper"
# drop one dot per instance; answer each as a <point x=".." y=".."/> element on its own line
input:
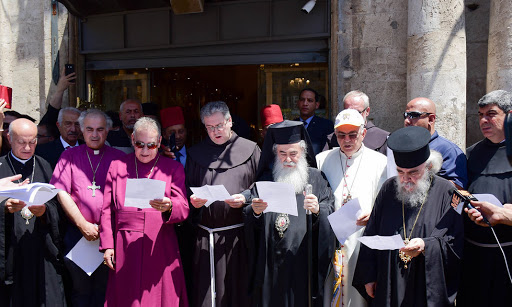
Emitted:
<point x="279" y="196"/>
<point x="139" y="192"/>
<point x="211" y="193"/>
<point x="86" y="255"/>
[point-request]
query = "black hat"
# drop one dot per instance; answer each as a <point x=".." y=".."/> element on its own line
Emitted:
<point x="410" y="146"/>
<point x="285" y="132"/>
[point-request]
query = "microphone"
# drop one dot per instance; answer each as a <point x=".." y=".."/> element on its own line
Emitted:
<point x="308" y="189"/>
<point x="463" y="195"/>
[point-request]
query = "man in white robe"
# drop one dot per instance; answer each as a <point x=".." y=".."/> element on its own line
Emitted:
<point x="353" y="171"/>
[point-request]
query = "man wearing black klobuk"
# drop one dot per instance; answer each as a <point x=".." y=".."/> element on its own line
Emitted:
<point x="277" y="243"/>
<point x="416" y="204"/>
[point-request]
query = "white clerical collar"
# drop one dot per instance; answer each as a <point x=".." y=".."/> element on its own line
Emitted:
<point x="66" y="145"/>
<point x="355" y="155"/>
<point x="19" y="160"/>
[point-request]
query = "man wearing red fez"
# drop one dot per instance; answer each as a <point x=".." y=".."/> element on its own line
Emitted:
<point x="173" y="123"/>
<point x="270" y="115"/>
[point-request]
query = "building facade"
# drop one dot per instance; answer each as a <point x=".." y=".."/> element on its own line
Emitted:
<point x="256" y="52"/>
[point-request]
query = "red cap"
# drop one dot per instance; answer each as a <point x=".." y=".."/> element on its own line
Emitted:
<point x="171" y="116"/>
<point x="6" y="94"/>
<point x="271" y="114"/>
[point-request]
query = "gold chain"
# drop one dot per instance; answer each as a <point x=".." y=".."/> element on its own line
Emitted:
<point x="406" y="258"/>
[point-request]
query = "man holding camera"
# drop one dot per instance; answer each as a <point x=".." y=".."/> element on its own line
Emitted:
<point x="174" y="133"/>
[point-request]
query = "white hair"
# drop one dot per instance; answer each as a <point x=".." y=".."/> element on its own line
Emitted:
<point x="94" y="112"/>
<point x="356" y="93"/>
<point x="64" y="110"/>
<point x="146" y="123"/>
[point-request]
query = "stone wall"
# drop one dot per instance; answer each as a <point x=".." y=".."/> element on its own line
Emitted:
<point x="477" y="34"/>
<point x="25" y="61"/>
<point x="372" y="55"/>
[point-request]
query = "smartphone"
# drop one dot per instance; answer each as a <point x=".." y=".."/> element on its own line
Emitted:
<point x="69" y="69"/>
<point x="172" y="142"/>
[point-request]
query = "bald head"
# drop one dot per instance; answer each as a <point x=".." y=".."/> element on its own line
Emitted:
<point x="421" y="112"/>
<point x="23" y="138"/>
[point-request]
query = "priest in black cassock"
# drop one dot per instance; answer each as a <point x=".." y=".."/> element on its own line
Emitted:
<point x="226" y="159"/>
<point x="30" y="262"/>
<point x="489" y="172"/>
<point x="416" y="204"/>
<point x="277" y="243"/>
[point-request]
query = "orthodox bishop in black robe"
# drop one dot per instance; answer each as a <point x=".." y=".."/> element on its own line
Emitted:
<point x="431" y="277"/>
<point x="31" y="265"/>
<point x="278" y="259"/>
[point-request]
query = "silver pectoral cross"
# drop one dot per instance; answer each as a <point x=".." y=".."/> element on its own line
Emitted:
<point x="93" y="187"/>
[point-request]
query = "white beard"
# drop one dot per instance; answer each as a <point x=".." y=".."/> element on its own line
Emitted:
<point x="296" y="176"/>
<point x="418" y="195"/>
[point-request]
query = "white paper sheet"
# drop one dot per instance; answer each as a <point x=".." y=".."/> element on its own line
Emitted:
<point x="86" y="255"/>
<point x="211" y="193"/>
<point x="140" y="191"/>
<point x="383" y="242"/>
<point x="279" y="196"/>
<point x="343" y="221"/>
<point x="32" y="194"/>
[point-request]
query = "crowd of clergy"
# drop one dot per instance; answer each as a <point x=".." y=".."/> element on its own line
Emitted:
<point x="180" y="249"/>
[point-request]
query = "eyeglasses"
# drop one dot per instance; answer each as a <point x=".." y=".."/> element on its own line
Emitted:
<point x="415" y="114"/>
<point x="361" y="112"/>
<point x="351" y="136"/>
<point x="219" y="127"/>
<point x="141" y="145"/>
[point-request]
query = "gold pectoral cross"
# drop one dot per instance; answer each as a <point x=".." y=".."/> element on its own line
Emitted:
<point x="93" y="187"/>
<point x="405" y="258"/>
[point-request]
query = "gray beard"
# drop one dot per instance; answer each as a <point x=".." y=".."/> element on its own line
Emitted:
<point x="417" y="196"/>
<point x="297" y="176"/>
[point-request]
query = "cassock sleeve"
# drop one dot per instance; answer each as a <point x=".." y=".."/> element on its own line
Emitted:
<point x="443" y="250"/>
<point x="366" y="265"/>
<point x="107" y="218"/>
<point x="180" y="208"/>
<point x="254" y="240"/>
<point x="61" y="178"/>
<point x="193" y="173"/>
<point x="323" y="241"/>
<point x="3" y="238"/>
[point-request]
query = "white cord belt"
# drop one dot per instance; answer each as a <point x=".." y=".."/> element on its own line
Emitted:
<point x="488" y="245"/>
<point x="212" y="257"/>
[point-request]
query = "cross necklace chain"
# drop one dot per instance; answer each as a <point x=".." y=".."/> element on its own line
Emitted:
<point x="25" y="212"/>
<point x="349" y="196"/>
<point x="150" y="172"/>
<point x="406" y="258"/>
<point x="94" y="187"/>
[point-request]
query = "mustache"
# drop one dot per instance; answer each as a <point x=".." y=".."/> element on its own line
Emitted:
<point x="289" y="163"/>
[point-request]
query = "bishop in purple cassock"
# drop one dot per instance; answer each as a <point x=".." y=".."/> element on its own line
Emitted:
<point x="140" y="244"/>
<point x="81" y="173"/>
